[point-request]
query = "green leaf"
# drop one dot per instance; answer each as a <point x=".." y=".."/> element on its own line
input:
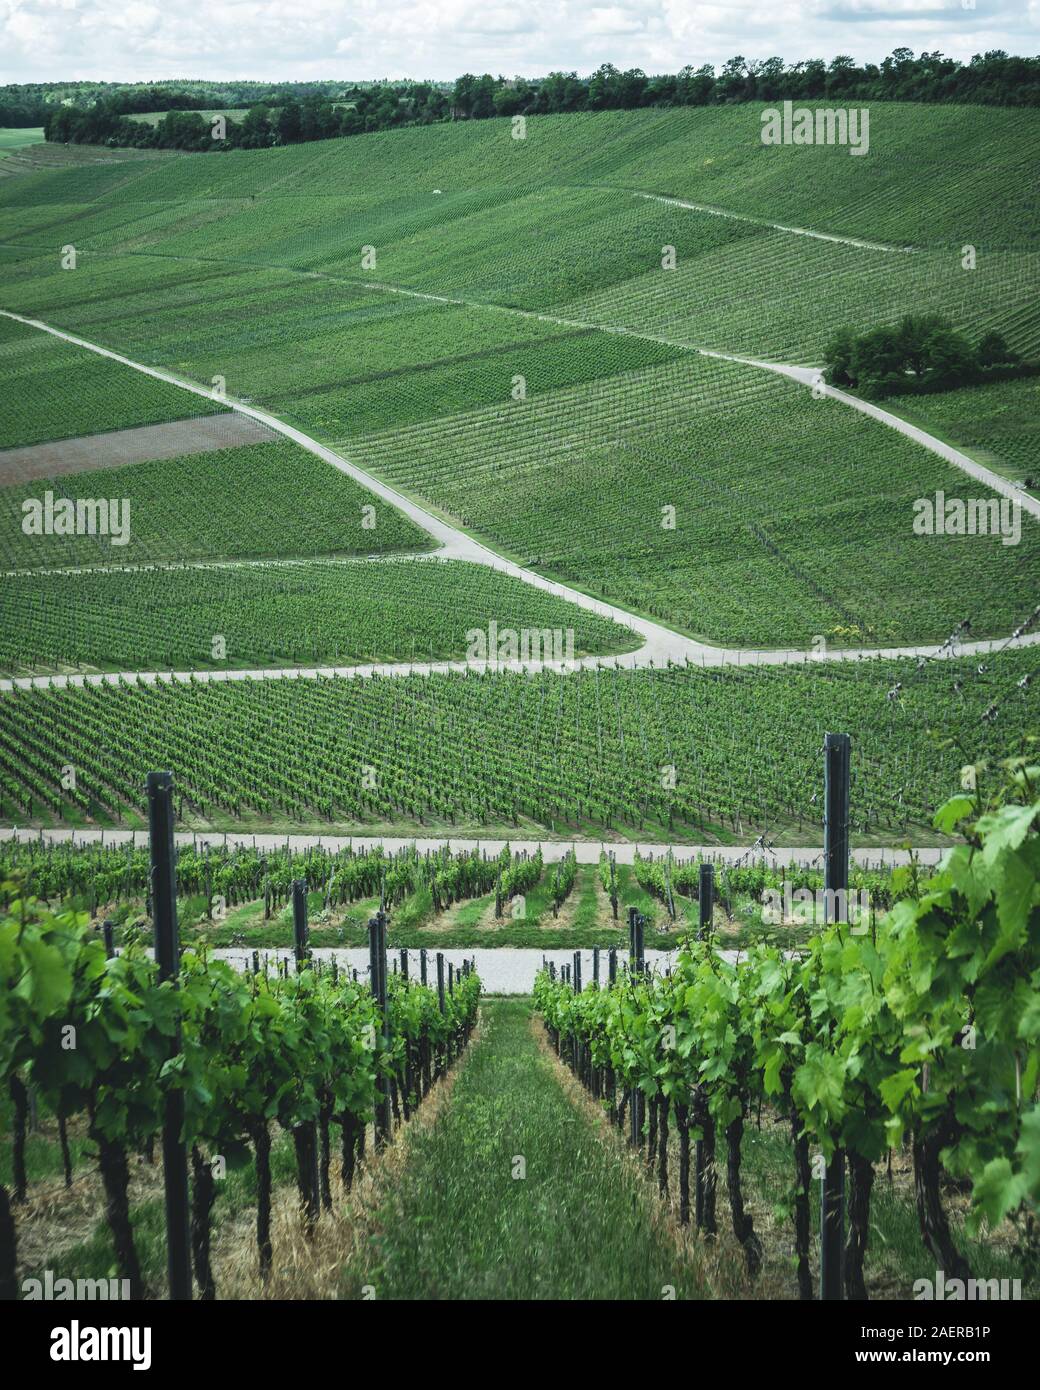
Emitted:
<point x="998" y="1191"/>
<point x="895" y="1088"/>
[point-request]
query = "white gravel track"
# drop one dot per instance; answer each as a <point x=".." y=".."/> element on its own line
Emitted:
<point x="502" y="969"/>
<point x="661" y="646"/>
<point x="585" y="851"/>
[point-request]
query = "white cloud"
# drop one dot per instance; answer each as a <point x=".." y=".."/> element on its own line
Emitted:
<point x="56" y="40"/>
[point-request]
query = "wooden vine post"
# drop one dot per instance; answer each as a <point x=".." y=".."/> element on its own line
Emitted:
<point x="377" y="976"/>
<point x="167" y="956"/>
<point x="636" y="967"/>
<point x="836" y="779"/>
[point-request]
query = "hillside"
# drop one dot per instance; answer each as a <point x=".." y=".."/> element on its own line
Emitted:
<point x="498" y="265"/>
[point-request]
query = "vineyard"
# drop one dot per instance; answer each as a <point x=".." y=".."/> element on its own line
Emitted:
<point x="240" y="895"/>
<point x="257" y="500"/>
<point x="450" y="386"/>
<point x="720" y="499"/>
<point x="917" y="1035"/>
<point x="999" y="424"/>
<point x="725" y="754"/>
<point x="250" y="1063"/>
<point x="51" y="392"/>
<point x="285" y="615"/>
<point x="709" y="494"/>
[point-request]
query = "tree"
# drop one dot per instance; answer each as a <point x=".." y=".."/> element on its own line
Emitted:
<point x="917" y="336"/>
<point x="839" y="357"/>
<point x="605" y="88"/>
<point x="287" y="123"/>
<point x="949" y="357"/>
<point x="256" y="132"/>
<point x="993" y="351"/>
<point x="841" y="75"/>
<point x="878" y="356"/>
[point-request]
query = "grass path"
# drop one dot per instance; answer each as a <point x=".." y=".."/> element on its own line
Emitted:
<point x="458" y="1225"/>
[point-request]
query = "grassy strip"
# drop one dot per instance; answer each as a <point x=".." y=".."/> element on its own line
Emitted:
<point x="42" y="1146"/>
<point x="896" y="1255"/>
<point x="459" y="1225"/>
<point x="414" y="924"/>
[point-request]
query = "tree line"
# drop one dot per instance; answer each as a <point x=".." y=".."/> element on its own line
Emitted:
<point x="287" y="115"/>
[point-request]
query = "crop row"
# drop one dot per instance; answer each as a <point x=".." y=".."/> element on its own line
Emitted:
<point x="280" y="615"/>
<point x="52" y="390"/>
<point x="268" y="499"/>
<point x="248" y="1057"/>
<point x="793" y="517"/>
<point x="917" y="1031"/>
<point x="724" y="752"/>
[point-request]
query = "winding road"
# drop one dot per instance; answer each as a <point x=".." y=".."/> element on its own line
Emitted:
<point x="661" y="646"/>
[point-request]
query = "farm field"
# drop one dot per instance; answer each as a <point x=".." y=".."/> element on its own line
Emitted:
<point x="239" y="898"/>
<point x="255" y="500"/>
<point x="44" y="157"/>
<point x="154" y="117"/>
<point x="285" y="615"/>
<point x="588" y="752"/>
<point x="998" y="424"/>
<point x="548" y="382"/>
<point x="773" y="496"/>
<point x="53" y="390"/>
<point x="513" y="333"/>
<point x="19" y="138"/>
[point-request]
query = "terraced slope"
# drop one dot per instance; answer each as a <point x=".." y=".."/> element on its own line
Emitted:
<point x="721" y="499"/>
<point x="51" y="390"/>
<point x="998" y="423"/>
<point x="585" y="752"/>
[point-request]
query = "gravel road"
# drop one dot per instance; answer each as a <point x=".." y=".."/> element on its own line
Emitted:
<point x="502" y="970"/>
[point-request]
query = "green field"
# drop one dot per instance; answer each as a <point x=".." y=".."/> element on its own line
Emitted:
<point x="563" y="346"/>
<point x="19" y="139"/>
<point x="997" y="424"/>
<point x="284" y="615"/>
<point x="793" y="516"/>
<point x="54" y="390"/>
<point x="592" y="752"/>
<point x="245" y="502"/>
<point x="516" y="338"/>
<point x="154" y="117"/>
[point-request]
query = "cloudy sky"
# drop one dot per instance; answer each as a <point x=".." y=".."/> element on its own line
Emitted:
<point x="127" y="40"/>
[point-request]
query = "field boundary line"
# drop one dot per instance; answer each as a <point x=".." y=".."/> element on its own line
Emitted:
<point x="763" y="222"/>
<point x="586" y="851"/>
<point x="714" y="657"/>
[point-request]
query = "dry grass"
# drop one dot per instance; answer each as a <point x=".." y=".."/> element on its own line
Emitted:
<point x="310" y="1267"/>
<point x="722" y="1260"/>
<point x="56" y="1218"/>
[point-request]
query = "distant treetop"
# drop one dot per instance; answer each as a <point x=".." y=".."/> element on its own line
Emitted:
<point x="289" y="112"/>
